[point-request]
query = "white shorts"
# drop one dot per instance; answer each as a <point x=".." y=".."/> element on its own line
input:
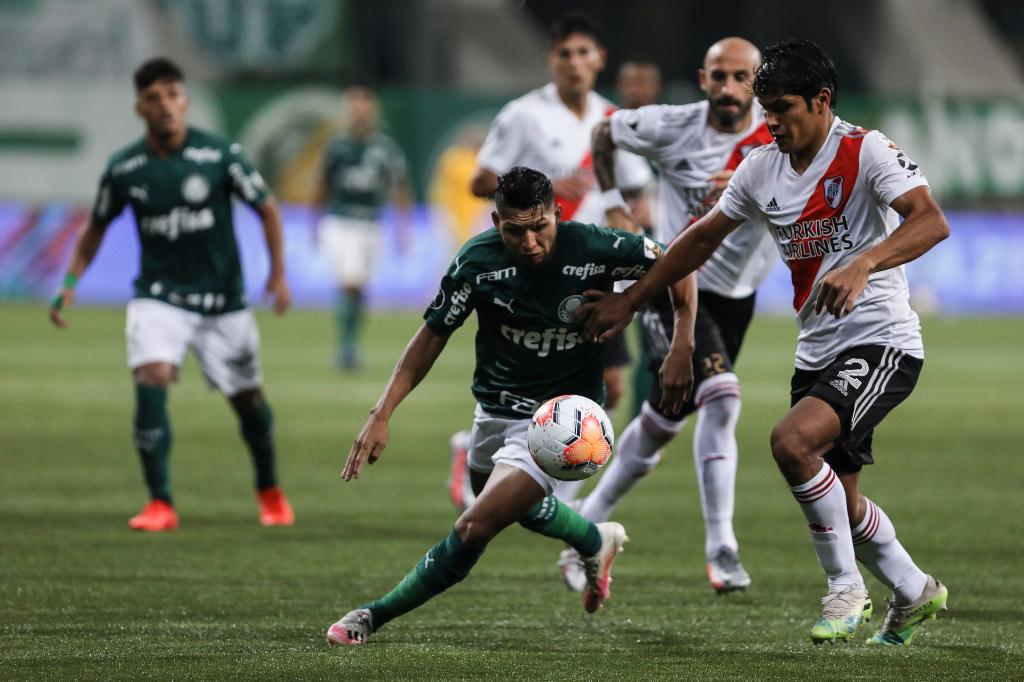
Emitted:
<point x="227" y="345"/>
<point x="499" y="440"/>
<point x="350" y="247"/>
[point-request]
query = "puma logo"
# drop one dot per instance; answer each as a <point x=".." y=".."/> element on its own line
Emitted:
<point x="617" y="240"/>
<point x="507" y="305"/>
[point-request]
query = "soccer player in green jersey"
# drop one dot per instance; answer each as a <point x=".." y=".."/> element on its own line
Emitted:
<point x="363" y="170"/>
<point x="524" y="279"/>
<point x="179" y="181"/>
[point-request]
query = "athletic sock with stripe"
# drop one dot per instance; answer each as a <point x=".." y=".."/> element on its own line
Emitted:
<point x="823" y="503"/>
<point x="876" y="546"/>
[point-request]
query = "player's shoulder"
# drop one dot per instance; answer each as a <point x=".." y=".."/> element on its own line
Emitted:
<point x="531" y="103"/>
<point x="128" y="158"/>
<point x="482" y="252"/>
<point x="762" y="154"/>
<point x="200" y="137"/>
<point x="590" y="236"/>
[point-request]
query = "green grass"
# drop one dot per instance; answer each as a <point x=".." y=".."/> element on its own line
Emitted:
<point x="81" y="597"/>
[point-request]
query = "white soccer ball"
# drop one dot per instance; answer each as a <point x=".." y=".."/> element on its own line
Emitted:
<point x="570" y="437"/>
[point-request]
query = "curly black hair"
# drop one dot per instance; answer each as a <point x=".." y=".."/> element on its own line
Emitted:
<point x="157" y="69"/>
<point x="522" y="187"/>
<point x="796" y="67"/>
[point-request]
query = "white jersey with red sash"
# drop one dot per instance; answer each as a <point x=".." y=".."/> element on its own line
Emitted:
<point x="688" y="151"/>
<point x="539" y="131"/>
<point x="838" y="208"/>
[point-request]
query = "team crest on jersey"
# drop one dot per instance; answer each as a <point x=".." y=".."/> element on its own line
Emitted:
<point x="568" y="306"/>
<point x="833" y="189"/>
<point x="195" y="189"/>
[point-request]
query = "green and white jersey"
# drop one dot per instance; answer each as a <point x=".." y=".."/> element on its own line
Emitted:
<point x="528" y="347"/>
<point x="360" y="174"/>
<point x="183" y="214"/>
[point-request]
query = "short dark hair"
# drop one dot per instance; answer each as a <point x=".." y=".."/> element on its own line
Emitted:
<point x="522" y="187"/>
<point x="572" y="23"/>
<point x="796" y="67"/>
<point x="157" y="69"/>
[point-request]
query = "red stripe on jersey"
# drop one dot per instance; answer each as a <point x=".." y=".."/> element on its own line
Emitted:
<point x="570" y="206"/>
<point x="843" y="169"/>
<point x="757" y="138"/>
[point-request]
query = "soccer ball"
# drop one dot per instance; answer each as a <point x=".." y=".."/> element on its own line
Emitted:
<point x="570" y="437"/>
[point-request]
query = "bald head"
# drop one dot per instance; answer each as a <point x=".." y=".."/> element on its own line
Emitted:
<point x="728" y="72"/>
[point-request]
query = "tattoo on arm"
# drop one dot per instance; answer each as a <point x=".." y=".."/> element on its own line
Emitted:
<point x="603" y="152"/>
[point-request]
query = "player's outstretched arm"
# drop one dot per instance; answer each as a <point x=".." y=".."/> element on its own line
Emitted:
<point x="276" y="288"/>
<point x="608" y="316"/>
<point x="617" y="210"/>
<point x="417" y="359"/>
<point x="676" y="372"/>
<point x="87" y="243"/>
<point x="923" y="227"/>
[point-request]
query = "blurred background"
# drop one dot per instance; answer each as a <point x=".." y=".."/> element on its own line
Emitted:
<point x="943" y="78"/>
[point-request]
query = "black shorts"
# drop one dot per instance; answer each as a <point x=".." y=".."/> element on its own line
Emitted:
<point x="718" y="332"/>
<point x="615" y="353"/>
<point x="863" y="384"/>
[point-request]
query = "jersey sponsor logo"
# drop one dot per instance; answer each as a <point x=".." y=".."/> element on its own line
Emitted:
<point x="140" y="193"/>
<point x="651" y="249"/>
<point x="628" y="272"/>
<point x="496" y="275"/>
<point x="815" y="237"/>
<point x="181" y="220"/>
<point x="507" y="305"/>
<point x="772" y="207"/>
<point x="458" y="305"/>
<point x="906" y="164"/>
<point x="249" y="185"/>
<point x="583" y="271"/>
<point x="833" y="189"/>
<point x="569" y="305"/>
<point x="517" y="403"/>
<point x="552" y="339"/>
<point x="202" y="154"/>
<point x="129" y="164"/>
<point x="195" y="189"/>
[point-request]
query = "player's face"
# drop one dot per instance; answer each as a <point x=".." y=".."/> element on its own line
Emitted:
<point x="638" y="85"/>
<point x="163" y="105"/>
<point x="793" y="123"/>
<point x="362" y="108"/>
<point x="574" y="64"/>
<point x="529" y="233"/>
<point x="726" y="79"/>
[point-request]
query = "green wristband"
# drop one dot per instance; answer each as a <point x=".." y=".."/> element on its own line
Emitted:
<point x="70" y="280"/>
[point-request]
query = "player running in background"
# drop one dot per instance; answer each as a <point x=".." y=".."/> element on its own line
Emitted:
<point x="638" y="83"/>
<point x="178" y="181"/>
<point x="696" y="147"/>
<point x="831" y="194"/>
<point x="524" y="279"/>
<point x="549" y="129"/>
<point x="363" y="170"/>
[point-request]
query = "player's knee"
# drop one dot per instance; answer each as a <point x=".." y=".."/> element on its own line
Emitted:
<point x="247" y="401"/>
<point x="789" y="447"/>
<point x="474" y="531"/>
<point x="721" y="413"/>
<point x="159" y="374"/>
<point x="614" y="387"/>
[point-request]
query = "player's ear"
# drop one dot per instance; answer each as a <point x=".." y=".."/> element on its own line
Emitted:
<point x="602" y="57"/>
<point x="496" y="219"/>
<point x="824" y="99"/>
<point x="558" y="213"/>
<point x="702" y="79"/>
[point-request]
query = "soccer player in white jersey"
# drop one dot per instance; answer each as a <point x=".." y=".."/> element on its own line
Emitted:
<point x="549" y="129"/>
<point x="831" y="195"/>
<point x="696" y="147"/>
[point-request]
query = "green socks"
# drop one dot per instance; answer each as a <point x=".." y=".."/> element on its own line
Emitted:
<point x="349" y="316"/>
<point x="447" y="563"/>
<point x="257" y="427"/>
<point x="555" y="519"/>
<point x="152" y="431"/>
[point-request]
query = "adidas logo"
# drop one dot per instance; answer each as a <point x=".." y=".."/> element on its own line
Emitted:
<point x="840" y="386"/>
<point x="772" y="207"/>
<point x="684" y="165"/>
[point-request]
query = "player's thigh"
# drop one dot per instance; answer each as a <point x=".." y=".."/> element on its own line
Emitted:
<point x="510" y="493"/>
<point x="157" y="333"/>
<point x="515" y="452"/>
<point x="228" y="349"/>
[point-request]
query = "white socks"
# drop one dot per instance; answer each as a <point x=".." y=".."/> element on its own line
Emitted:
<point x="823" y="502"/>
<point x="714" y="456"/>
<point x="638" y="452"/>
<point x="876" y="546"/>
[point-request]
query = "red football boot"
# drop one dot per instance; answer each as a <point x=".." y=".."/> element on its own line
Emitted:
<point x="155" y="516"/>
<point x="274" y="508"/>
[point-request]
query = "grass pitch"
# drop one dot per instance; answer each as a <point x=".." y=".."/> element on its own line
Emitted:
<point x="81" y="597"/>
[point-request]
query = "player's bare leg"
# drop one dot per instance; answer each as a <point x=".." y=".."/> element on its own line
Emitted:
<point x="256" y="423"/>
<point x="799" y="441"/>
<point x="152" y="432"/>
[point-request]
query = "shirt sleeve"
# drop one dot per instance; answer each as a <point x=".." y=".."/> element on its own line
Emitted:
<point x="888" y="170"/>
<point x="109" y="203"/>
<point x="505" y="141"/>
<point x="245" y="180"/>
<point x="737" y="201"/>
<point x="631" y="171"/>
<point x="625" y="255"/>
<point x="453" y="302"/>
<point x="638" y="130"/>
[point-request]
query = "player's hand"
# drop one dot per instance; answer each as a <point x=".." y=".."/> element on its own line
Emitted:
<point x="278" y="292"/>
<point x="676" y="377"/>
<point x="368" y="446"/>
<point x="841" y="287"/>
<point x="64" y="298"/>
<point x="571" y="187"/>
<point x="606" y="313"/>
